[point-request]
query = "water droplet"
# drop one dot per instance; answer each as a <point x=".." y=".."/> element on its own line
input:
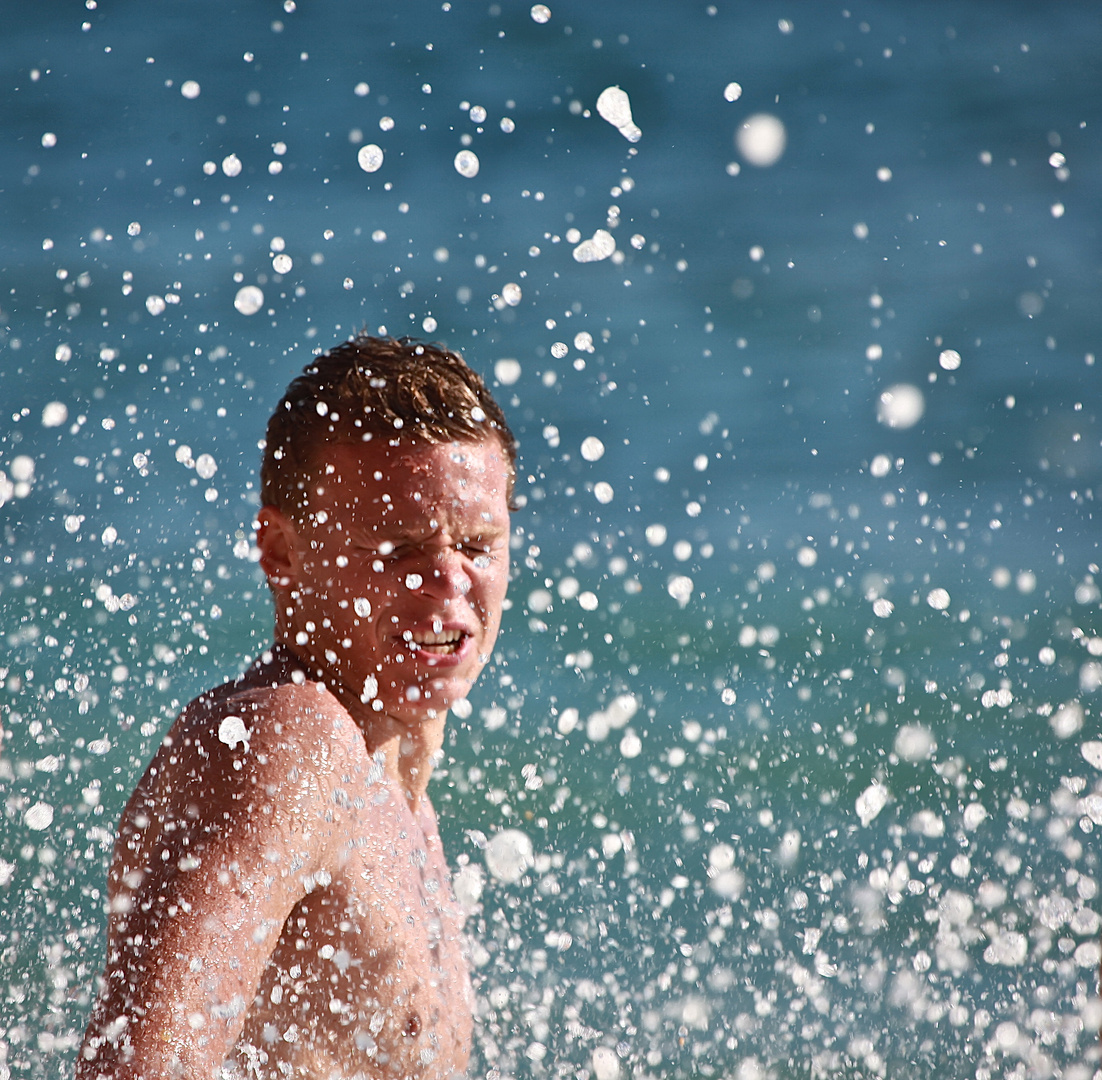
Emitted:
<point x="559" y="349"/>
<point x="249" y="300"/>
<point x="134" y="228"/>
<point x="871" y="801"/>
<point x="938" y="599"/>
<point x="477" y="114"/>
<point x="507" y="371"/>
<point x="282" y="263"/>
<point x="428" y="324"/>
<point x="900" y="406"/>
<point x="349" y="283"/>
<point x="54" y="414"/>
<point x="231" y="165"/>
<point x="614" y="106"/>
<point x="232" y="731"/>
<point x="761" y="139"/>
<point x="206" y="466"/>
<point x="949" y="359"/>
<point x="599" y="247"/>
<point x="39" y="817"/>
<point x="370" y="157"/>
<point x="680" y="588"/>
<point x="603" y="492"/>
<point x="511" y="294"/>
<point x="466" y="163"/>
<point x="540" y="13"/>
<point x="509" y="855"/>
<point x="592" y="448"/>
<point x="913" y="742"/>
<point x="732" y="91"/>
<point x="606" y="1065"/>
<point x="190" y="89"/>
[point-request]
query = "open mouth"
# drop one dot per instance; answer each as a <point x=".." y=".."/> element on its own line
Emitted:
<point x="444" y="643"/>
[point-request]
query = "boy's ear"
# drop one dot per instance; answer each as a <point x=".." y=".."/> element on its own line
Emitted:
<point x="275" y="536"/>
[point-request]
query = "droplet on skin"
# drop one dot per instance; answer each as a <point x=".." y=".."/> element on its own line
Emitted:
<point x="761" y="140"/>
<point x="467" y="164"/>
<point x="362" y="606"/>
<point x="249" y="300"/>
<point x="232" y="731"/>
<point x="370" y="157"/>
<point x="231" y="165"/>
<point x="414" y="581"/>
<point x="371" y="689"/>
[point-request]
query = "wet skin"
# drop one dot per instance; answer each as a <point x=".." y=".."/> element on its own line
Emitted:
<point x="278" y="894"/>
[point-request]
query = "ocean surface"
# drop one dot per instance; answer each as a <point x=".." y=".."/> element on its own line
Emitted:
<point x="789" y="761"/>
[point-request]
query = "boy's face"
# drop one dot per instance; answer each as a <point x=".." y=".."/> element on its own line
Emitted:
<point x="397" y="576"/>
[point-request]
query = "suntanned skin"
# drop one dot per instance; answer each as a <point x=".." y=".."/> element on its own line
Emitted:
<point x="279" y="899"/>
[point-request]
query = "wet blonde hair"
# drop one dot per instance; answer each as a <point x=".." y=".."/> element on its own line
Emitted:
<point x="371" y="387"/>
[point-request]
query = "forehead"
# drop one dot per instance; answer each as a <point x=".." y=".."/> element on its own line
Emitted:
<point x="380" y="474"/>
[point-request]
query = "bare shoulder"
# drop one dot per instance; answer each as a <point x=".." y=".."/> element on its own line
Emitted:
<point x="259" y="766"/>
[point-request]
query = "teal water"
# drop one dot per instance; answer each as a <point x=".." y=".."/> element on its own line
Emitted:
<point x="797" y="695"/>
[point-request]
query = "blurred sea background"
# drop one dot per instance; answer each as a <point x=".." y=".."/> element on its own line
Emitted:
<point x="789" y="761"/>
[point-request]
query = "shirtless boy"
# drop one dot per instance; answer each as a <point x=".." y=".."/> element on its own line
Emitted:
<point x="279" y="901"/>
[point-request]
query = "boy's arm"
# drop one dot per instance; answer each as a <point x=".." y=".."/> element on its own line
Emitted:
<point x="215" y="849"/>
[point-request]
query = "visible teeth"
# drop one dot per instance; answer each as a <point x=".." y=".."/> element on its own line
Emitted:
<point x="447" y="637"/>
